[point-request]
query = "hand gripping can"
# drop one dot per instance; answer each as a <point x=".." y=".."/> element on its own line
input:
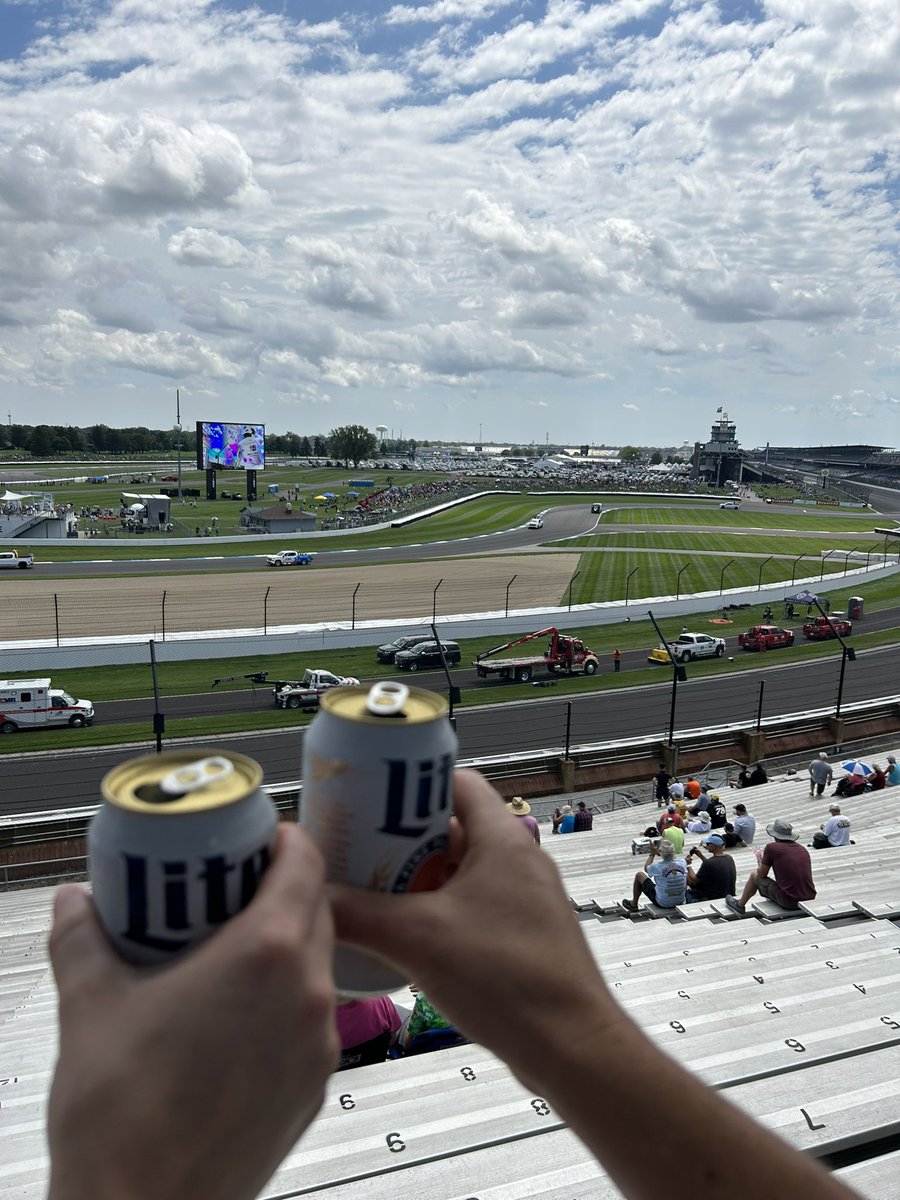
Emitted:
<point x="377" y="774"/>
<point x="178" y="847"/>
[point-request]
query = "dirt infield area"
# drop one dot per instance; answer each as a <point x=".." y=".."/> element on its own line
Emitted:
<point x="98" y="608"/>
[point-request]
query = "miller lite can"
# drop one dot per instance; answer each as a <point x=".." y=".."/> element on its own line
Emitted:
<point x="377" y="777"/>
<point x="178" y="847"/>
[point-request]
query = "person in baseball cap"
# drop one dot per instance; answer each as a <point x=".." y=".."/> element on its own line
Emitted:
<point x="784" y="874"/>
<point x="717" y="875"/>
<point x="833" y="832"/>
<point x="744" y="827"/>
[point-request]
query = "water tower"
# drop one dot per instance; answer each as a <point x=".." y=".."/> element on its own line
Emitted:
<point x="381" y="430"/>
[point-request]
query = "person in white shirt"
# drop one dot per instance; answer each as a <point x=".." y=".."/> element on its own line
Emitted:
<point x="835" y="831"/>
<point x="700" y="824"/>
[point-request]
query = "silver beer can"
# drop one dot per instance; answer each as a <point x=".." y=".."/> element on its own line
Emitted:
<point x="377" y="778"/>
<point x="179" y="846"/>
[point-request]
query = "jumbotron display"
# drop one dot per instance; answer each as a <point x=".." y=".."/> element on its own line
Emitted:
<point x="231" y="447"/>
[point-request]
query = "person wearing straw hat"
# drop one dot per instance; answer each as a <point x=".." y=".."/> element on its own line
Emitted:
<point x="790" y="865"/>
<point x="521" y="809"/>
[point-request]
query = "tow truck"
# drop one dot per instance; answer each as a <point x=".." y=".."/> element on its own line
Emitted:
<point x="565" y="654"/>
<point x="765" y="637"/>
<point x="305" y="693"/>
<point x="820" y="628"/>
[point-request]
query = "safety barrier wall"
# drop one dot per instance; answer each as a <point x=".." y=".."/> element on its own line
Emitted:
<point x="40" y="654"/>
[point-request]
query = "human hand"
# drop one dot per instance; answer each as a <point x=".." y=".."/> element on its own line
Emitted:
<point x="498" y="940"/>
<point x="196" y="1078"/>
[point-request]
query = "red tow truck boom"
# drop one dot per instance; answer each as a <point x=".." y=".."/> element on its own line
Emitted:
<point x="563" y="653"/>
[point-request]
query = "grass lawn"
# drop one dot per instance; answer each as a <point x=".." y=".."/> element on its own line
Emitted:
<point x="727" y="541"/>
<point x="123" y="682"/>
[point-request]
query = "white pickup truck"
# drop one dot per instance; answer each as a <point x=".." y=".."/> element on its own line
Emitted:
<point x="306" y="692"/>
<point x="688" y="646"/>
<point x="13" y="560"/>
<point x="29" y="703"/>
<point x="290" y="558"/>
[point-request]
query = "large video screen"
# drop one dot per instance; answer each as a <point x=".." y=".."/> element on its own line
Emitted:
<point x="231" y="447"/>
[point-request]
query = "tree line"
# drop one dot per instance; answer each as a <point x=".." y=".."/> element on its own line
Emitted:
<point x="350" y="443"/>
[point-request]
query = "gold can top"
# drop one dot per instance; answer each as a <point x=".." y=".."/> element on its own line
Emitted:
<point x="384" y="704"/>
<point x="181" y="781"/>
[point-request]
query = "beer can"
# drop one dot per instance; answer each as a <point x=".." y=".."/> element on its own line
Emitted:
<point x="377" y="775"/>
<point x="179" y="846"/>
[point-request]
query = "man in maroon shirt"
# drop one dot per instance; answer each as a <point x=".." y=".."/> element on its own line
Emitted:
<point x="791" y="866"/>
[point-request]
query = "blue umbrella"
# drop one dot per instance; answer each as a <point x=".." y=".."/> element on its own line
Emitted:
<point x="330" y="495"/>
<point x="856" y="767"/>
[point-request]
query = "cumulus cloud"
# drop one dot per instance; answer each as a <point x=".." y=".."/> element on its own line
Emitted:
<point x="530" y="197"/>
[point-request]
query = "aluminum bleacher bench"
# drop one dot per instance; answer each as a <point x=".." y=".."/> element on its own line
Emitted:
<point x="876" y="1178"/>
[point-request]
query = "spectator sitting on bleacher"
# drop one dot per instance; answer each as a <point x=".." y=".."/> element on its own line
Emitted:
<point x="744" y="827"/>
<point x="235" y="1041"/>
<point x="893" y="771"/>
<point x="700" y="824"/>
<point x="423" y="1019"/>
<point x="718" y="813"/>
<point x="757" y="776"/>
<point x="717" y="876"/>
<point x="692" y="789"/>
<point x="584" y="820"/>
<point x="366" y="1028"/>
<point x="567" y="823"/>
<point x="521" y="809"/>
<point x="663" y="882"/>
<point x="877" y="780"/>
<point x="676" y="791"/>
<point x="701" y="803"/>
<point x="743" y="779"/>
<point x="669" y="817"/>
<point x="675" y="835"/>
<point x="850" y="785"/>
<point x="834" y="832"/>
<point x="790" y="863"/>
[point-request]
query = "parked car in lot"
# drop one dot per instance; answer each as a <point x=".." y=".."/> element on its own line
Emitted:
<point x="427" y="654"/>
<point x="290" y="558"/>
<point x="688" y="646"/>
<point x="387" y="652"/>
<point x="765" y="637"/>
<point x="535" y="523"/>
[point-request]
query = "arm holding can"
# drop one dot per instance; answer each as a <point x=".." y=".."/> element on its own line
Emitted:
<point x="503" y="962"/>
<point x="196" y="1078"/>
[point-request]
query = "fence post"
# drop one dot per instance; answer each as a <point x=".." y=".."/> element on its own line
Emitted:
<point x="164" y="615"/>
<point x="568" y="726"/>
<point x="266" y="611"/>
<point x="508" y="586"/>
<point x="56" y="615"/>
<point x="571" y="581"/>
<point x="353" y="606"/>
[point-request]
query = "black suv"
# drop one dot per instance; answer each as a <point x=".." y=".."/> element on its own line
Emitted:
<point x="427" y="654"/>
<point x="386" y="653"/>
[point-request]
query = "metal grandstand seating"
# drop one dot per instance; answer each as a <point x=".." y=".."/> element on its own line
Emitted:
<point x="797" y="1021"/>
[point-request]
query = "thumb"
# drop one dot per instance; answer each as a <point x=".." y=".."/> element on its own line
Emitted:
<point x="79" y="950"/>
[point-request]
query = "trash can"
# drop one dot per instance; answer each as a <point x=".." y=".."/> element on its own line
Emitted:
<point x="855" y="608"/>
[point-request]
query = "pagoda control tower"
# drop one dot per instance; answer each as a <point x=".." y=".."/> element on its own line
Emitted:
<point x="721" y="458"/>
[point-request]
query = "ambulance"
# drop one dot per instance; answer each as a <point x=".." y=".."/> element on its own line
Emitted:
<point x="29" y="703"/>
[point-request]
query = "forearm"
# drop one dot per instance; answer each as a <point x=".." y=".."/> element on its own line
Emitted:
<point x="597" y="1082"/>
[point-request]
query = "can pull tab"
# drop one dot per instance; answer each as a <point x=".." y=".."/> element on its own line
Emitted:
<point x="387" y="699"/>
<point x="195" y="775"/>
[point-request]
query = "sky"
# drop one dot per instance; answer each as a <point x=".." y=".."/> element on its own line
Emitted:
<point x="528" y="221"/>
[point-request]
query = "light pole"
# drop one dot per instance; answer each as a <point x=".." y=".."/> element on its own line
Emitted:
<point x="679" y="675"/>
<point x="794" y="567"/>
<point x="678" y="581"/>
<point x="178" y="437"/>
<point x="847" y="652"/>
<point x="722" y="575"/>
<point x="847" y="558"/>
<point x="759" y="577"/>
<point x="633" y="571"/>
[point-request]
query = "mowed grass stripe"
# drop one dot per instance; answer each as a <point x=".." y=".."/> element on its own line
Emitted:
<point x="602" y="577"/>
<point x="725" y="542"/>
